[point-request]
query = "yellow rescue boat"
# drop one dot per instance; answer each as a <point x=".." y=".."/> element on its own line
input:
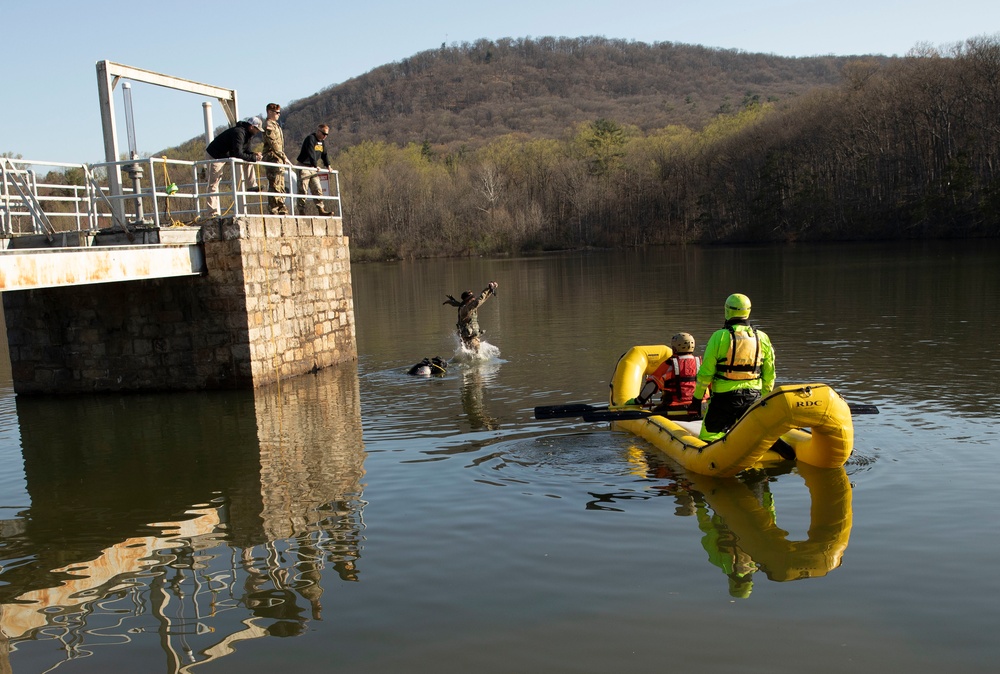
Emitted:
<point x="812" y="421"/>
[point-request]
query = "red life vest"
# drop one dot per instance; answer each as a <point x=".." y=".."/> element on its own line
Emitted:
<point x="679" y="379"/>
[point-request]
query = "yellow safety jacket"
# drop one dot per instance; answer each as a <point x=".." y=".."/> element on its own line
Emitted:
<point x="736" y="357"/>
<point x="743" y="358"/>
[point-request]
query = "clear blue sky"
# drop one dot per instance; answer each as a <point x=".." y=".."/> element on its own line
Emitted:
<point x="284" y="51"/>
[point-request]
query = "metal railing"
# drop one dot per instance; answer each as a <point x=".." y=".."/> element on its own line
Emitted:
<point x="156" y="192"/>
<point x="29" y="205"/>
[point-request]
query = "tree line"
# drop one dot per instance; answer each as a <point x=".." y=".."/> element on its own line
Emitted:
<point x="901" y="148"/>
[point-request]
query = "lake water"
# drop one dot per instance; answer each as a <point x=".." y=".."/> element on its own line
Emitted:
<point x="361" y="520"/>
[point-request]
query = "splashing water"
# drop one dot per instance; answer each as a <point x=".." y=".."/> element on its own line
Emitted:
<point x="486" y="352"/>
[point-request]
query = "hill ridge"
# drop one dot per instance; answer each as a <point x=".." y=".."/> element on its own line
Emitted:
<point x="466" y="94"/>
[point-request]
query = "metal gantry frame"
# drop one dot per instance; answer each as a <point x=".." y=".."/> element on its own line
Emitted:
<point x="110" y="73"/>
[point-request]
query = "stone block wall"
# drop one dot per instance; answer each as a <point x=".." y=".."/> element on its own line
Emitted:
<point x="295" y="276"/>
<point x="276" y="302"/>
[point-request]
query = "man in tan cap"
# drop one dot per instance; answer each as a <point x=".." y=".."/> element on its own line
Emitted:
<point x="232" y="143"/>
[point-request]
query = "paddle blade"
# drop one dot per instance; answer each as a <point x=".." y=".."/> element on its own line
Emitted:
<point x="565" y="411"/>
<point x="862" y="409"/>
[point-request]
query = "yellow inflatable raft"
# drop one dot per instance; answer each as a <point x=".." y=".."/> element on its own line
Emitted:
<point x="784" y="415"/>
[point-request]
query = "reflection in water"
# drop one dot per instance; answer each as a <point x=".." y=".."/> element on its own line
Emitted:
<point x="738" y="519"/>
<point x="309" y="432"/>
<point x="190" y="522"/>
<point x="723" y="550"/>
<point x="753" y="521"/>
<point x="476" y="376"/>
<point x="84" y="580"/>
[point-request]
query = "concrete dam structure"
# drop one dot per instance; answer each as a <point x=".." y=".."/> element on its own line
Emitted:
<point x="272" y="299"/>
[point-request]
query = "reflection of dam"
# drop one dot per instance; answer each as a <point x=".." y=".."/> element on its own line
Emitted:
<point x="310" y="447"/>
<point x="187" y="521"/>
<point x="108" y="572"/>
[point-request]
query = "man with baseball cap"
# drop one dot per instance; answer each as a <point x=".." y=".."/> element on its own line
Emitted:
<point x="232" y="143"/>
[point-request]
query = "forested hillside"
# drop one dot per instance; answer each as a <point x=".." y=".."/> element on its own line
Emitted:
<point x="465" y="95"/>
<point x="506" y="147"/>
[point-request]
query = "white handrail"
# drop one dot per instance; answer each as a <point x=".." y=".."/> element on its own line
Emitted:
<point x="163" y="192"/>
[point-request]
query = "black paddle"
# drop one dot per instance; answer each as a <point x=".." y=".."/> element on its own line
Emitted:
<point x="602" y="413"/>
<point x="625" y="415"/>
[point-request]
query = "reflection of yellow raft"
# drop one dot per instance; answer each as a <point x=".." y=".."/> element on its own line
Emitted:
<point x="782" y="414"/>
<point x="759" y="536"/>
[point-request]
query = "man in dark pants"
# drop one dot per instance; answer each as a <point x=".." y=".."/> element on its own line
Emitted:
<point x="738" y="367"/>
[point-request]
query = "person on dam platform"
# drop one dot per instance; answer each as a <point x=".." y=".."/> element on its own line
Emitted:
<point x="274" y="153"/>
<point x="233" y="142"/>
<point x="468" y="320"/>
<point x="313" y="154"/>
<point x="738" y="368"/>
<point x="675" y="377"/>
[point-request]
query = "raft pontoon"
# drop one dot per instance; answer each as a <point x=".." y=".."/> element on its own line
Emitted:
<point x="810" y="421"/>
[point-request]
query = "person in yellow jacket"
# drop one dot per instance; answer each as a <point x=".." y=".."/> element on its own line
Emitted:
<point x="738" y="368"/>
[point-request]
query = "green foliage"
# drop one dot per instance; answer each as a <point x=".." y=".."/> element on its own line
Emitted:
<point x="602" y="144"/>
<point x="726" y="125"/>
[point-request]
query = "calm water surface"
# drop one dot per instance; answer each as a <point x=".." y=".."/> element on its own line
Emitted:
<point x="361" y="520"/>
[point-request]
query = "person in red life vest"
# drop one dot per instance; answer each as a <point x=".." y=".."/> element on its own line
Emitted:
<point x="675" y="377"/>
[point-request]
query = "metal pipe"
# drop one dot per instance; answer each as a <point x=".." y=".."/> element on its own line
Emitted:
<point x="133" y="148"/>
<point x="209" y="129"/>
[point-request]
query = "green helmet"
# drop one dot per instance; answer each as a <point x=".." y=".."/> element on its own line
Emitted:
<point x="682" y="342"/>
<point x="737" y="306"/>
<point x="740" y="586"/>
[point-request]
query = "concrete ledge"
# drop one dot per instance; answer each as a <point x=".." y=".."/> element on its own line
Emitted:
<point x="53" y="267"/>
<point x="116" y="237"/>
<point x="59" y="240"/>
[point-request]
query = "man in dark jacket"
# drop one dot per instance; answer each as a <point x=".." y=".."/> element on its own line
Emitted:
<point x="233" y="142"/>
<point x="312" y="155"/>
